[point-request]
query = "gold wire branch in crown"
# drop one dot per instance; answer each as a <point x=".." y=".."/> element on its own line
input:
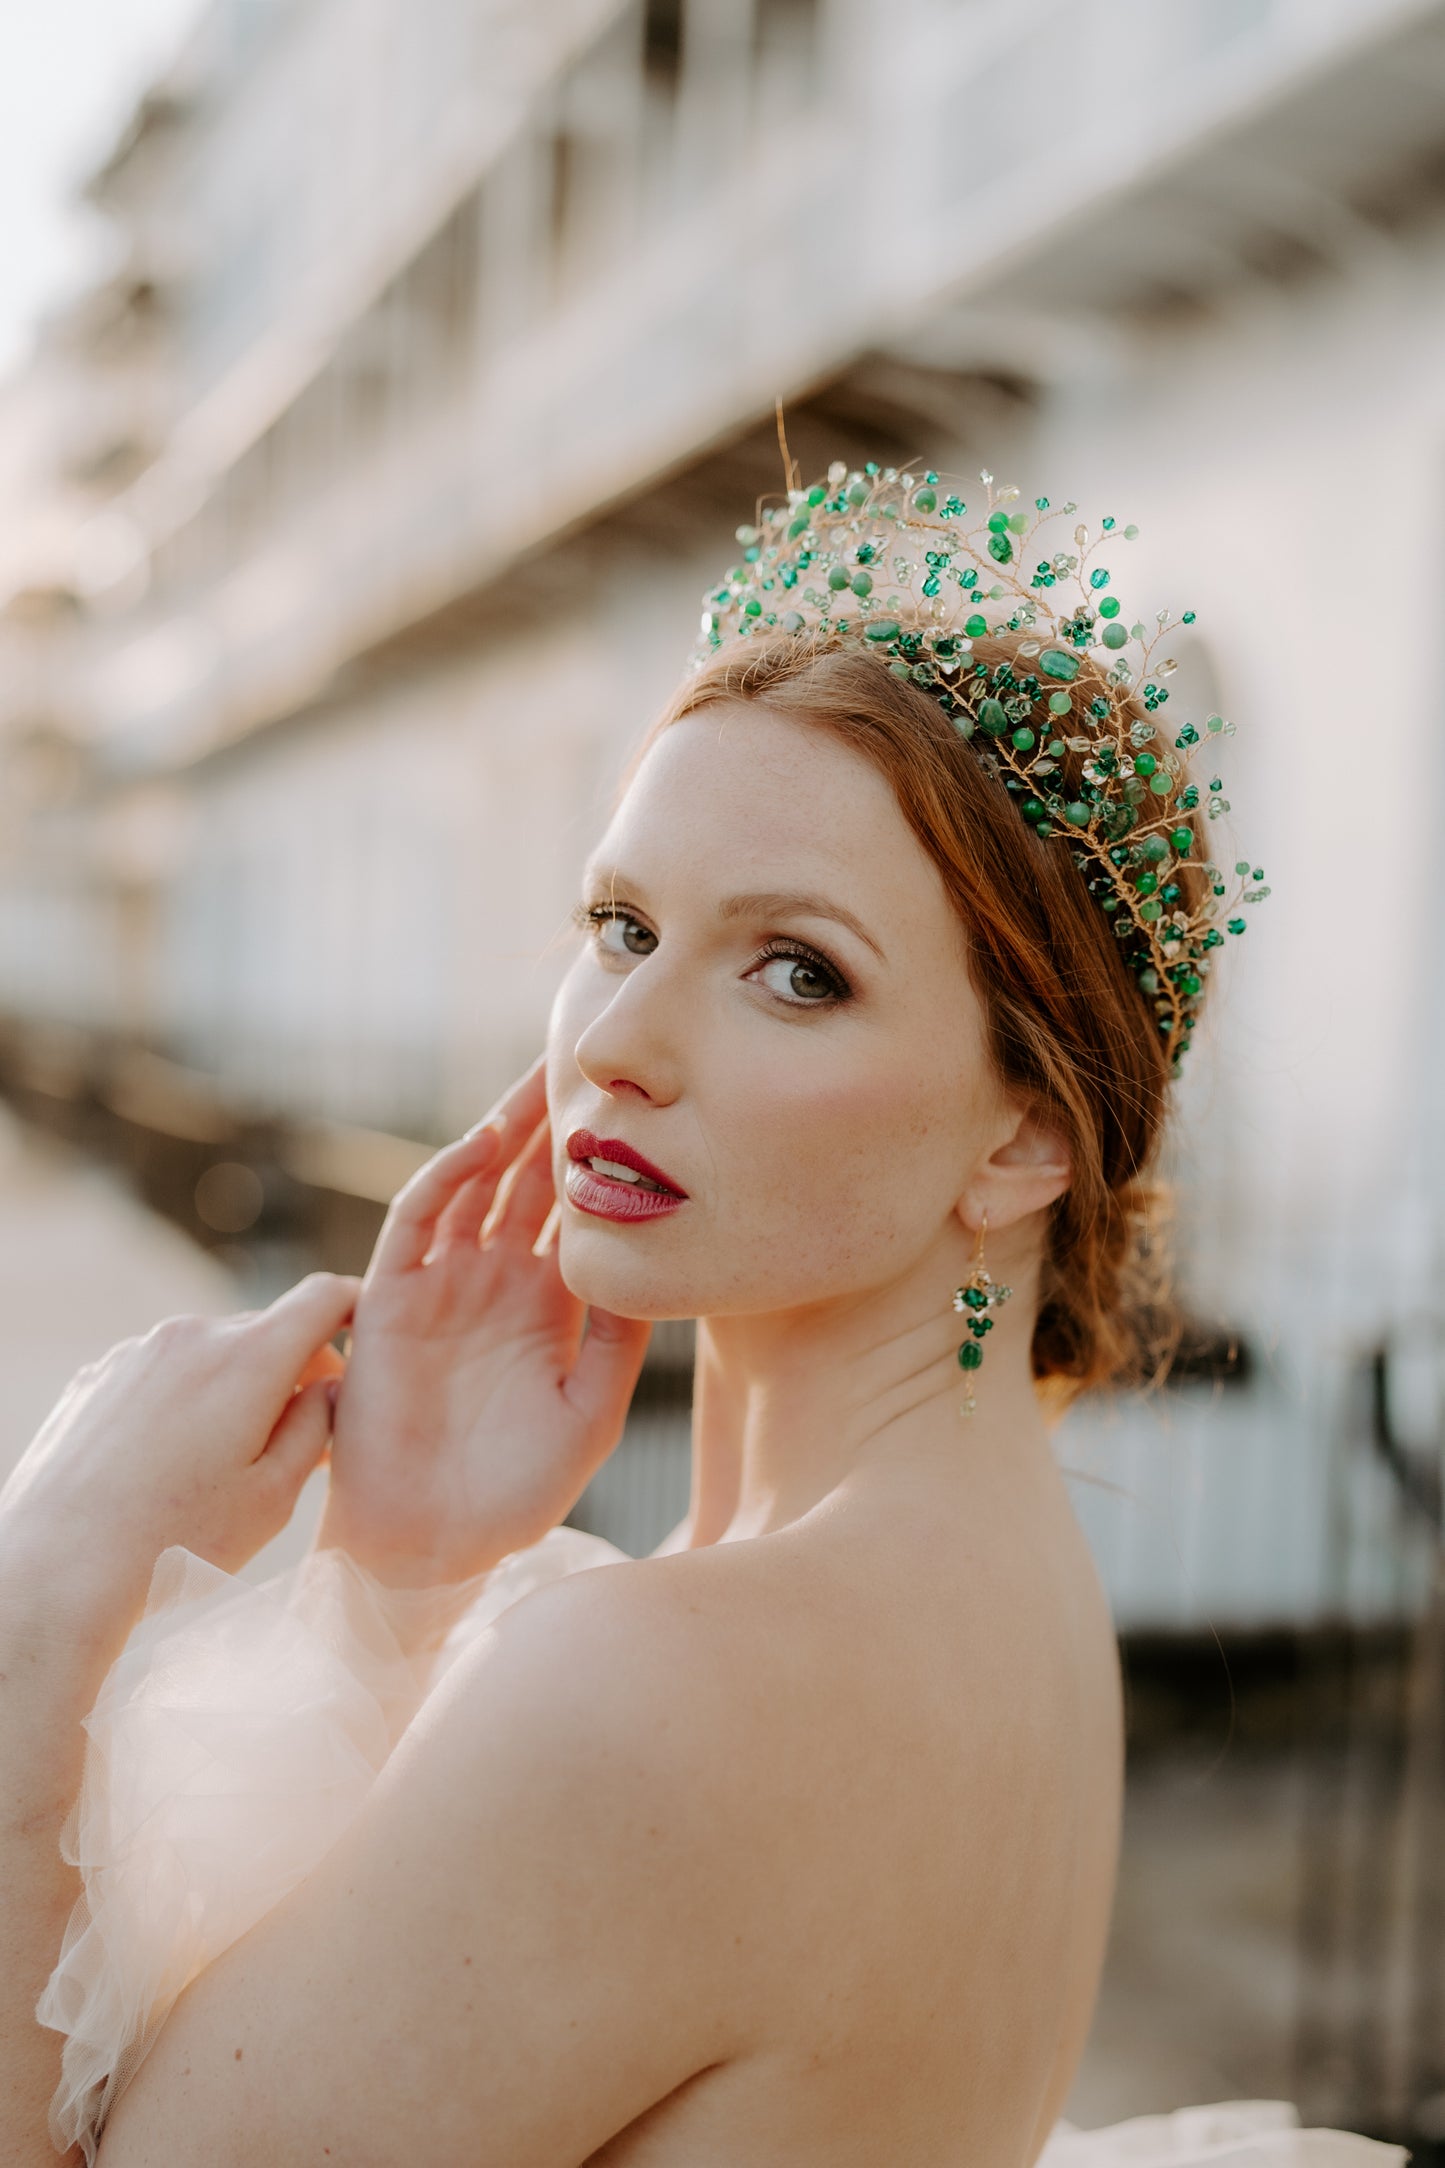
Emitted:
<point x="1066" y="717"/>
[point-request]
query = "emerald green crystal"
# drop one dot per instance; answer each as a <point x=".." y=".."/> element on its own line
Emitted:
<point x="970" y="1355"/>
<point x="1146" y="884"/>
<point x="817" y="493"/>
<point x="1236" y="925"/>
<point x="1033" y="809"/>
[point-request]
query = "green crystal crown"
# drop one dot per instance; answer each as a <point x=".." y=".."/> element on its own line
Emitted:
<point x="889" y="562"/>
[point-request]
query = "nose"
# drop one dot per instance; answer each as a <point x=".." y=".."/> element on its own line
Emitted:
<point x="631" y="1047"/>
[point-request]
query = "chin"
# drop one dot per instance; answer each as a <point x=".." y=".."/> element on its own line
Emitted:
<point x="601" y="1265"/>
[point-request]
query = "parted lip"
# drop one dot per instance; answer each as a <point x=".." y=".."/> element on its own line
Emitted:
<point x="581" y="1144"/>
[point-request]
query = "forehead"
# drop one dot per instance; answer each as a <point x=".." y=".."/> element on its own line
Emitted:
<point x="739" y="792"/>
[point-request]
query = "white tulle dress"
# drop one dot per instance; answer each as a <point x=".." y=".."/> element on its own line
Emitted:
<point x="231" y="1744"/>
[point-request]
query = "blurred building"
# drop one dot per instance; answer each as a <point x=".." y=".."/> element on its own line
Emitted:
<point x="358" y="520"/>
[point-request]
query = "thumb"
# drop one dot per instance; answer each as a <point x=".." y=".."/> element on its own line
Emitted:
<point x="606" y="1371"/>
<point x="300" y="1440"/>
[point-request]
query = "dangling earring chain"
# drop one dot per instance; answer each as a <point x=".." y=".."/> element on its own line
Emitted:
<point x="978" y="1295"/>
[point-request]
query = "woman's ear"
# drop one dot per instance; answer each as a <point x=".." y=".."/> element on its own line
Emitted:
<point x="1023" y="1174"/>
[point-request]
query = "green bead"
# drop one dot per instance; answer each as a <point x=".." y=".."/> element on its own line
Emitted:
<point x="1077" y="813"/>
<point x="1155" y="849"/>
<point x="925" y="500"/>
<point x="1149" y="980"/>
<point x="1099" y="577"/>
<point x="1236" y="925"/>
<point x="817" y="493"/>
<point x="970" y="1355"/>
<point x="1162" y="783"/>
<point x="882" y="628"/>
<point x="998" y="522"/>
<point x="1000" y="549"/>
<point x="862" y="583"/>
<point x="857" y="493"/>
<point x="1115" y="636"/>
<point x="838" y="579"/>
<point x="1152" y="909"/>
<point x="975" y="1298"/>
<point x="1033" y="809"/>
<point x="992" y="718"/>
<point x="799" y="525"/>
<point x="1191" y="982"/>
<point x="1171" y="892"/>
<point x="1023" y="738"/>
<point x="793" y="621"/>
<point x="1182" y="838"/>
<point x="978" y="1326"/>
<point x="1109" y="607"/>
<point x="1145" y="764"/>
<point x="752" y="607"/>
<point x="1055" y="663"/>
<point x="1059" y="703"/>
<point x="1188" y="617"/>
<point x="1146" y="884"/>
<point x="976" y="627"/>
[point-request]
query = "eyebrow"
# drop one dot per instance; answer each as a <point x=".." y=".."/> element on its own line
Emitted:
<point x="780" y="903"/>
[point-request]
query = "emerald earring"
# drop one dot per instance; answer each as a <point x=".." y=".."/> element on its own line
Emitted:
<point x="979" y="1295"/>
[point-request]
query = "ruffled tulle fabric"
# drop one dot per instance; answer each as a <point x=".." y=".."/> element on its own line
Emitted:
<point x="1228" y="2134"/>
<point x="234" y="1740"/>
<point x="232" y="1743"/>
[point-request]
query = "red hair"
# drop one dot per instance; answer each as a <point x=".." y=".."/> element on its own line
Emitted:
<point x="1070" y="1032"/>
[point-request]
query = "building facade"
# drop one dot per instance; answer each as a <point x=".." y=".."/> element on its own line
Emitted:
<point x="360" y="518"/>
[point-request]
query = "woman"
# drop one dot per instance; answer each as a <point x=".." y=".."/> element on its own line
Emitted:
<point x="794" y="1842"/>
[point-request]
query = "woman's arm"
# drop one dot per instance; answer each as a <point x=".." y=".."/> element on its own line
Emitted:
<point x="58" y="1638"/>
<point x="201" y="1434"/>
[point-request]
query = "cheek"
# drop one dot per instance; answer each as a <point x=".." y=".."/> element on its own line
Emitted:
<point x="848" y="1149"/>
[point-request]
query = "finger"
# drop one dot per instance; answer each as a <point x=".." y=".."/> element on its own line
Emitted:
<point x="409" y="1228"/>
<point x="529" y="1195"/>
<point x="546" y="1241"/>
<point x="302" y="1438"/>
<point x="297" y="1326"/>
<point x="605" y="1373"/>
<point x="327" y="1362"/>
<point x="460" y="1226"/>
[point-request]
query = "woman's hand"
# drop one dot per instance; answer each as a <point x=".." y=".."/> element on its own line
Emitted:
<point x="201" y="1434"/>
<point x="473" y="1411"/>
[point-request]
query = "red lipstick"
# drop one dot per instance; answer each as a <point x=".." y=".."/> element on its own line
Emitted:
<point x="613" y="1181"/>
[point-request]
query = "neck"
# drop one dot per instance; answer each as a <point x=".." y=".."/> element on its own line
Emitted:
<point x="792" y="1408"/>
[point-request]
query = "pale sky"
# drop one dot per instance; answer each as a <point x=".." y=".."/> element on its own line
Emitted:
<point x="69" y="72"/>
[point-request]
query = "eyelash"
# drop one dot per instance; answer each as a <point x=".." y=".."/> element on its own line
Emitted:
<point x="591" y="917"/>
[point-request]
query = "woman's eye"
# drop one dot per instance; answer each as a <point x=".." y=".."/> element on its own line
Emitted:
<point x="620" y="935"/>
<point x="800" y="979"/>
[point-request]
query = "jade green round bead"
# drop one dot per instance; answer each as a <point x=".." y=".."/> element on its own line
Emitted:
<point x="1145" y="764"/>
<point x="838" y="579"/>
<point x="1115" y="636"/>
<point x="1182" y="839"/>
<point x="1152" y="909"/>
<point x="1155" y="849"/>
<point x="1109" y="607"/>
<point x="862" y="583"/>
<point x="1023" y="738"/>
<point x="1077" y="813"/>
<point x="1060" y="703"/>
<point x="1146" y="884"/>
<point x="1162" y="783"/>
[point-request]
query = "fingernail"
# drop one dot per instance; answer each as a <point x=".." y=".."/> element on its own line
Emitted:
<point x="333" y="1387"/>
